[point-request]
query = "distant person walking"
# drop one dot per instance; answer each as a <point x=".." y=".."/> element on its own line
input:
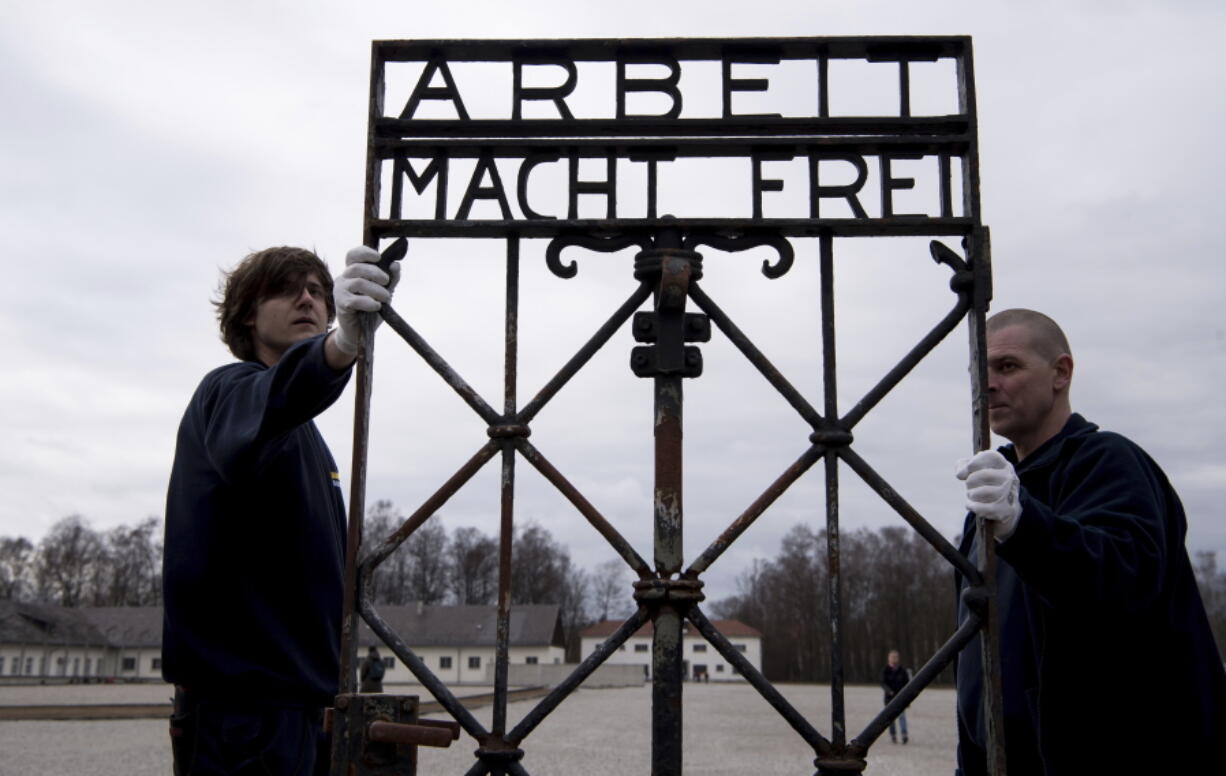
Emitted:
<point x="372" y="672"/>
<point x="893" y="678"/>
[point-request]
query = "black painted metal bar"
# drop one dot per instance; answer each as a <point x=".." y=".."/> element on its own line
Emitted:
<point x="439" y="365"/>
<point x="908" y="362"/>
<point x="776" y="489"/>
<point x="895" y="226"/>
<point x="432" y="683"/>
<point x="923" y="677"/>
<point x="759" y="682"/>
<point x="609" y="49"/>
<point x="908" y="513"/>
<point x="507" y="524"/>
<point x="568" y="685"/>
<point x="378" y="554"/>
<point x="979" y="257"/>
<point x="361" y="421"/>
<point x="653" y="127"/>
<point x="602" y="335"/>
<point x="580" y="502"/>
<point x="630" y="148"/>
<point x="755" y="357"/>
<point x="830" y="391"/>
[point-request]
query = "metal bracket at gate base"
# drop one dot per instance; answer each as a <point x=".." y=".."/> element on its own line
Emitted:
<point x="378" y="734"/>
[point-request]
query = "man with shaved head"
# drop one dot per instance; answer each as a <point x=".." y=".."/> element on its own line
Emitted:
<point x="1108" y="664"/>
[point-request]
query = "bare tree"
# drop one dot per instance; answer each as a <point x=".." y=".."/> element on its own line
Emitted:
<point x="611" y="591"/>
<point x="474" y="566"/>
<point x="1212" y="585"/>
<point x="390" y="579"/>
<point x="426" y="550"/>
<point x="897" y="593"/>
<point x="16" y="568"/>
<point x="66" y="558"/>
<point x="542" y="573"/>
<point x="126" y="569"/>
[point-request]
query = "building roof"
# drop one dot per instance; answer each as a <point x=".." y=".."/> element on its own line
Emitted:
<point x="730" y="628"/>
<point x="127" y="626"/>
<point x="25" y="623"/>
<point x="531" y="625"/>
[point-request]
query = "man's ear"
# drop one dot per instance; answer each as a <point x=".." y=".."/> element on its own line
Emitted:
<point x="1064" y="372"/>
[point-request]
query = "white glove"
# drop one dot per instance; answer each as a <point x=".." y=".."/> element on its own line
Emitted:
<point x="361" y="288"/>
<point x="991" y="490"/>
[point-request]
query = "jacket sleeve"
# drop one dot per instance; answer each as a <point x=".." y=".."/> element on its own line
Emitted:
<point x="248" y="409"/>
<point x="1104" y="539"/>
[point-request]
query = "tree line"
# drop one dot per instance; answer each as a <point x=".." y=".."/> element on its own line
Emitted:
<point x="75" y="565"/>
<point x="898" y="592"/>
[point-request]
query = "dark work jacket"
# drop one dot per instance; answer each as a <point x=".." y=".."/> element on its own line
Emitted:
<point x="253" y="568"/>
<point x="1108" y="662"/>
<point x="893" y="680"/>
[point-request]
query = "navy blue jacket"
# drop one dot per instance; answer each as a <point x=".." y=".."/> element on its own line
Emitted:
<point x="254" y="558"/>
<point x="1108" y="661"/>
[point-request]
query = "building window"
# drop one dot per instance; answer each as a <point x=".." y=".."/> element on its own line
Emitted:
<point x="700" y="647"/>
<point x="389" y="663"/>
<point x="444" y="661"/>
<point x="76" y="666"/>
<point x="474" y="661"/>
<point x="155" y="664"/>
<point x="1" y="664"/>
<point x="640" y="647"/>
<point x="719" y="668"/>
<point x="29" y="666"/>
<point x="129" y="664"/>
<point x="530" y="660"/>
<point x="740" y="647"/>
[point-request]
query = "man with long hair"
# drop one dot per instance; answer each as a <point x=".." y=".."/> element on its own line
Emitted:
<point x="255" y="525"/>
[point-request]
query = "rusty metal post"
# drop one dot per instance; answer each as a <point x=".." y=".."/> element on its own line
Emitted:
<point x="668" y="361"/>
<point x="507" y="506"/>
<point x="978" y="255"/>
<point x="361" y="416"/>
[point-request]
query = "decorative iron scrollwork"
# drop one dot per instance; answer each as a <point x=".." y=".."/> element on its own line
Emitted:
<point x="737" y="243"/>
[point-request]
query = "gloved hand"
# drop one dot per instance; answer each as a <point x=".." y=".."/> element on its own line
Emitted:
<point x="992" y="490"/>
<point x="361" y="288"/>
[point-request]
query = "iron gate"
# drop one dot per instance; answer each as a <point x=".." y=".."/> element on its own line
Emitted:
<point x="406" y="147"/>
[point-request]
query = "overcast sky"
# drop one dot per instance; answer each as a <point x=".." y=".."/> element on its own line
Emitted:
<point x="146" y="145"/>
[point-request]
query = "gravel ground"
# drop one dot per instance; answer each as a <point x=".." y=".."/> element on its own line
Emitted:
<point x="729" y="730"/>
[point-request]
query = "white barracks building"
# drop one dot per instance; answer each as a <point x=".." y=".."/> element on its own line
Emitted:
<point x="700" y="660"/>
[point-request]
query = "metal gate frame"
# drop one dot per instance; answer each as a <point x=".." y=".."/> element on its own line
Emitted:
<point x="668" y="269"/>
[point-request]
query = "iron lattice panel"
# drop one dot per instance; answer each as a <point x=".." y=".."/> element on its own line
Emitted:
<point x="406" y="148"/>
